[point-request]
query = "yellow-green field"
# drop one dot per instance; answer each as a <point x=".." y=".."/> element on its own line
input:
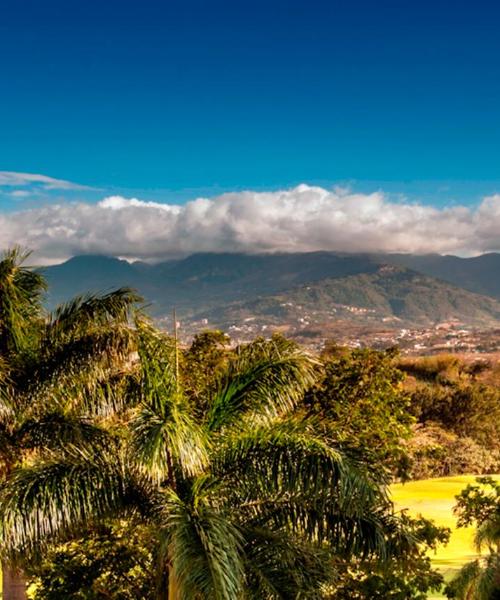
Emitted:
<point x="434" y="499"/>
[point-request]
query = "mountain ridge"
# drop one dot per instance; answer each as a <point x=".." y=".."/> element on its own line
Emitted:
<point x="212" y="283"/>
<point x="392" y="294"/>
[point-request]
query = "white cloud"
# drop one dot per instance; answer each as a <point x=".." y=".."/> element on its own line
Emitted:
<point x="119" y="202"/>
<point x="15" y="179"/>
<point x="20" y="194"/>
<point x="303" y="218"/>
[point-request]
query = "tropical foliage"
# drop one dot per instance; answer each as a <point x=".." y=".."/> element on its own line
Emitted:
<point x="244" y="503"/>
<point x="253" y="473"/>
<point x="53" y="366"/>
<point x="107" y="562"/>
<point x="359" y="397"/>
<point x="407" y="576"/>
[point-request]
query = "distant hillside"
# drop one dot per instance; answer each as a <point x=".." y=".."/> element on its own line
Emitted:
<point x="480" y="274"/>
<point x="83" y="274"/>
<point x="201" y="280"/>
<point x="356" y="287"/>
<point x="391" y="293"/>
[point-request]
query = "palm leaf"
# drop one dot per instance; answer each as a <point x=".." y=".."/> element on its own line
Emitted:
<point x="74" y="373"/>
<point x="477" y="580"/>
<point x="202" y="546"/>
<point x="267" y="377"/>
<point x="164" y="435"/>
<point x="21" y="291"/>
<point x="488" y="533"/>
<point x="91" y="311"/>
<point x="279" y="566"/>
<point x="58" y="496"/>
<point x="56" y="430"/>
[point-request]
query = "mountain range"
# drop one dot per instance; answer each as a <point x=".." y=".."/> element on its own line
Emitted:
<point x="225" y="288"/>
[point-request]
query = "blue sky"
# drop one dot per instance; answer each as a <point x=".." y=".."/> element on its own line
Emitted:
<point x="181" y="98"/>
<point x="151" y="129"/>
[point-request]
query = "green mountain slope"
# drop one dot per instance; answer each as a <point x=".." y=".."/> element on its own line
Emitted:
<point x="228" y="287"/>
<point x="201" y="280"/>
<point x="480" y="274"/>
<point x="390" y="293"/>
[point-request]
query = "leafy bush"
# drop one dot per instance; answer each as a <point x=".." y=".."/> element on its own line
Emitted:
<point x="436" y="452"/>
<point x="109" y="562"/>
<point x="408" y="577"/>
<point x="457" y="407"/>
<point x="361" y="401"/>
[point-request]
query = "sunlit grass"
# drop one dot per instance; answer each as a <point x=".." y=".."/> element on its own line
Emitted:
<point x="435" y="499"/>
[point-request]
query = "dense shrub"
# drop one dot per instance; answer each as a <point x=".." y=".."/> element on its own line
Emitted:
<point x="109" y="562"/>
<point x="435" y="452"/>
<point x="408" y="579"/>
<point x="361" y="401"/>
<point x="457" y="407"/>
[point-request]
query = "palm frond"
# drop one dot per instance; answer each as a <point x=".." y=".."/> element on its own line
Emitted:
<point x="166" y="439"/>
<point x="488" y="533"/>
<point x="477" y="580"/>
<point x="267" y="377"/>
<point x="89" y="312"/>
<point x="281" y="455"/>
<point x="74" y="374"/>
<point x="57" y="496"/>
<point x="202" y="547"/>
<point x="279" y="566"/>
<point x="280" y="476"/>
<point x="164" y="434"/>
<point x="7" y="393"/>
<point x="21" y="291"/>
<point x="56" y="430"/>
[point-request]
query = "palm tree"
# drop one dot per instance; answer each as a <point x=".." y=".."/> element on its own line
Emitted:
<point x="477" y="580"/>
<point x="51" y="366"/>
<point x="20" y="309"/>
<point x="480" y="579"/>
<point x="246" y="502"/>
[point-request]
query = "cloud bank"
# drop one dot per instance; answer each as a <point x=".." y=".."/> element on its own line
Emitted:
<point x="300" y="219"/>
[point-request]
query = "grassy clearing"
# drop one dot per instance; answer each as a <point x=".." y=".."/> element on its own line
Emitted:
<point x="434" y="499"/>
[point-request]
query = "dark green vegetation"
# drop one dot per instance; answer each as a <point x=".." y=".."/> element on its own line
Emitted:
<point x="388" y="293"/>
<point x="132" y="468"/>
<point x="238" y="489"/>
<point x="108" y="562"/>
<point x="229" y="287"/>
<point x="359" y="397"/>
<point x="52" y="363"/>
<point x="478" y="274"/>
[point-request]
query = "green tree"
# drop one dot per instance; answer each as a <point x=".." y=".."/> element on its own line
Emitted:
<point x="201" y="362"/>
<point x="51" y="366"/>
<point x="361" y="401"/>
<point x="405" y="575"/>
<point x="457" y="406"/>
<point x="245" y="502"/>
<point x="467" y="408"/>
<point x="110" y="561"/>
